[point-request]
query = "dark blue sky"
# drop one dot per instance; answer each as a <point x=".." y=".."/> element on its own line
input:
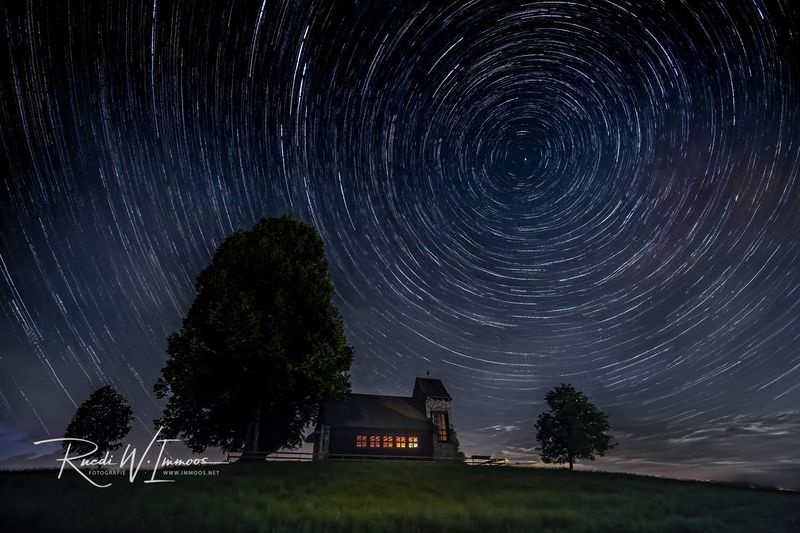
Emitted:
<point x="512" y="194"/>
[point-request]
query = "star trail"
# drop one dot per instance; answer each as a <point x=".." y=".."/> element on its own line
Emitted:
<point x="512" y="195"/>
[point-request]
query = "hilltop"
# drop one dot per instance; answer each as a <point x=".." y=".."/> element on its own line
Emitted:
<point x="391" y="497"/>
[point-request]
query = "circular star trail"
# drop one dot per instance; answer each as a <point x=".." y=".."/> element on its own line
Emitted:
<point x="512" y="195"/>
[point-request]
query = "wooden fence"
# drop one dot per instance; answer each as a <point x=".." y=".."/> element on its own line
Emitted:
<point x="474" y="460"/>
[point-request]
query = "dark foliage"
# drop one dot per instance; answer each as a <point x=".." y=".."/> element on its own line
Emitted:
<point x="261" y="345"/>
<point x="573" y="428"/>
<point x="104" y="418"/>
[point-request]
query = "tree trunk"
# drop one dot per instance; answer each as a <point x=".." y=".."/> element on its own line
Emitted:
<point x="571" y="462"/>
<point x="256" y="427"/>
<point x="252" y="437"/>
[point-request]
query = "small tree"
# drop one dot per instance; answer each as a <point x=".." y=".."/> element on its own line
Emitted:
<point x="104" y="419"/>
<point x="572" y="428"/>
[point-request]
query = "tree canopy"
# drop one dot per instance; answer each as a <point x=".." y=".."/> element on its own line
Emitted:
<point x="572" y="428"/>
<point x="104" y="418"/>
<point x="261" y="345"/>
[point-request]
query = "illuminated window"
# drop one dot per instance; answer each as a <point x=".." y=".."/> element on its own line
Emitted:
<point x="374" y="441"/>
<point x="440" y="420"/>
<point x="361" y="441"/>
<point x="388" y="441"/>
<point x="413" y="442"/>
<point x="401" y="441"/>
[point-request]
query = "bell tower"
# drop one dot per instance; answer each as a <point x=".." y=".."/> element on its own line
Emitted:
<point x="437" y="409"/>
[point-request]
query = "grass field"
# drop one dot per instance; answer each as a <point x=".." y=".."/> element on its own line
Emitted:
<point x="390" y="497"/>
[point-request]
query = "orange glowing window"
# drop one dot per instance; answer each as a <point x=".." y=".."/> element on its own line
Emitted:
<point x="440" y="420"/>
<point x="401" y="441"/>
<point x="413" y="441"/>
<point x="374" y="441"/>
<point x="361" y="441"/>
<point x="388" y="441"/>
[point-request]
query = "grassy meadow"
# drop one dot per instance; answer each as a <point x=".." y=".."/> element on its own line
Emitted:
<point x="366" y="497"/>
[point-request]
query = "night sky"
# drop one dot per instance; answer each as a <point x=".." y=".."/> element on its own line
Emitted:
<point x="512" y="195"/>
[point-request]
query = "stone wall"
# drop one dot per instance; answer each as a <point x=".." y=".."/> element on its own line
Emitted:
<point x="434" y="404"/>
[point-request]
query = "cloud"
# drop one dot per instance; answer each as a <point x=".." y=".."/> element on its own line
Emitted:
<point x="752" y="449"/>
<point x="17" y="448"/>
<point x="758" y="449"/>
<point x="498" y="427"/>
<point x="774" y="425"/>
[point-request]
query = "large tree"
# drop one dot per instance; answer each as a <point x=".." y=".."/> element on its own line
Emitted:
<point x="104" y="419"/>
<point x="573" y="428"/>
<point x="261" y="345"/>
